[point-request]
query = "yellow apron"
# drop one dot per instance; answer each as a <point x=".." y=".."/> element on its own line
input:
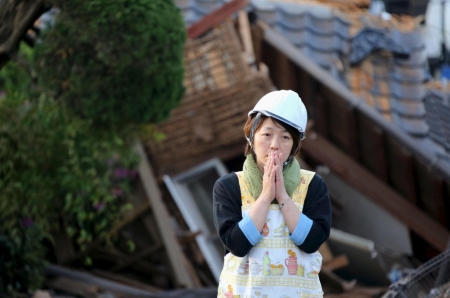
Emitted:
<point x="275" y="267"/>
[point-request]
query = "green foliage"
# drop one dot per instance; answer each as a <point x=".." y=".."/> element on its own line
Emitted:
<point x="15" y="78"/>
<point x="53" y="163"/>
<point x="70" y="110"/>
<point x="21" y="260"/>
<point x="115" y="62"/>
<point x="62" y="174"/>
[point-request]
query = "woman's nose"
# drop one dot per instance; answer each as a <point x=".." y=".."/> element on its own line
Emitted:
<point x="274" y="144"/>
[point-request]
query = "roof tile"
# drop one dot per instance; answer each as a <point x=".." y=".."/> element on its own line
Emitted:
<point x="412" y="91"/>
<point x="415" y="126"/>
<point x="408" y="108"/>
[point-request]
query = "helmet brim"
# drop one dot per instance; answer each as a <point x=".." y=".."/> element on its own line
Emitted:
<point x="269" y="114"/>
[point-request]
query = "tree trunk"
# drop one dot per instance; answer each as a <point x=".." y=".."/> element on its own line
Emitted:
<point x="16" y="17"/>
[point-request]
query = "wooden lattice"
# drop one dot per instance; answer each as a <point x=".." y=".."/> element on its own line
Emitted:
<point x="220" y="90"/>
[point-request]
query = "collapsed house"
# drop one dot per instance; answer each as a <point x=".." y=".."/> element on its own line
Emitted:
<point x="377" y="134"/>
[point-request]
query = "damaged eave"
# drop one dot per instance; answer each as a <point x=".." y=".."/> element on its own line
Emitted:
<point x="421" y="151"/>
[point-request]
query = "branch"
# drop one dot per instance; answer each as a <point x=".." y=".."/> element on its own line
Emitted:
<point x="16" y="17"/>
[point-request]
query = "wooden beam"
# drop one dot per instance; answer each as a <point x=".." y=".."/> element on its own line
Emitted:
<point x="125" y="280"/>
<point x="146" y="252"/>
<point x="71" y="286"/>
<point x="377" y="191"/>
<point x="16" y="18"/>
<point x="130" y="217"/>
<point x="402" y="173"/>
<point x="372" y="147"/>
<point x="336" y="263"/>
<point x="246" y="36"/>
<point x="162" y="217"/>
<point x="145" y="267"/>
<point x="63" y="247"/>
<point x="83" y="283"/>
<point x="215" y="18"/>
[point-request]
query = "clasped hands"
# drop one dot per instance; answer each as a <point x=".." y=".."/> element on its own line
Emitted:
<point x="273" y="180"/>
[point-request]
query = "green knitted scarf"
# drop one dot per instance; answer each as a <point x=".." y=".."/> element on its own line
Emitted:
<point x="253" y="176"/>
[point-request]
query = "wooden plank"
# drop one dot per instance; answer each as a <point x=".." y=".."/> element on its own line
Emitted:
<point x="307" y="88"/>
<point x="148" y="221"/>
<point x="326" y="253"/>
<point x="126" y="281"/>
<point x="341" y="120"/>
<point x="144" y="267"/>
<point x="372" y="148"/>
<point x="246" y="36"/>
<point x="402" y="173"/>
<point x="195" y="277"/>
<point x="63" y="247"/>
<point x="215" y="18"/>
<point x="41" y="294"/>
<point x="447" y="204"/>
<point x="83" y="283"/>
<point x="320" y="115"/>
<point x="257" y="38"/>
<point x="162" y="217"/>
<point x="288" y="81"/>
<point x="431" y="190"/>
<point x="268" y="54"/>
<point x="336" y="263"/>
<point x="351" y="132"/>
<point x="146" y="252"/>
<point x="78" y="288"/>
<point x="374" y="189"/>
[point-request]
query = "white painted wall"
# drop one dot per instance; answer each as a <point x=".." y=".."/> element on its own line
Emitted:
<point x="361" y="217"/>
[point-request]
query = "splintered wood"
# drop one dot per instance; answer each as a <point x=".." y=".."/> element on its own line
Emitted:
<point x="213" y="62"/>
<point x="220" y="90"/>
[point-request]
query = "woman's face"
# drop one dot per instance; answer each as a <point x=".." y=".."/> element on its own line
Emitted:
<point x="271" y="137"/>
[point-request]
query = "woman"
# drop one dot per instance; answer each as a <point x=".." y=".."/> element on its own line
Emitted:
<point x="272" y="217"/>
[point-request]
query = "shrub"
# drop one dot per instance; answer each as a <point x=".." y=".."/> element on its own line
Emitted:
<point x="115" y="62"/>
<point x="60" y="173"/>
<point x="22" y="260"/>
<point x="69" y="118"/>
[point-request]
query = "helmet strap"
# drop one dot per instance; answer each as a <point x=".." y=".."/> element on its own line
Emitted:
<point x="291" y="156"/>
<point x="252" y="131"/>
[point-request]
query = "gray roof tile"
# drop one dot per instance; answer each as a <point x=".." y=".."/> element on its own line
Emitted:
<point x="404" y="73"/>
<point x="417" y="57"/>
<point x="315" y="26"/>
<point x="382" y="102"/>
<point x="182" y="4"/>
<point x="408" y="108"/>
<point x="380" y="86"/>
<point x="208" y="5"/>
<point x="322" y="57"/>
<point x="415" y="126"/>
<point x="394" y="85"/>
<point x="411" y="91"/>
<point x="413" y="40"/>
<point x="266" y="11"/>
<point x="439" y="130"/>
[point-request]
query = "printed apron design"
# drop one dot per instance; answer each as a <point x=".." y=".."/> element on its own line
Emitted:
<point x="275" y="267"/>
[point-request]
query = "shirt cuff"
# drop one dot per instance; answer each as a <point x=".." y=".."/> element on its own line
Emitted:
<point x="250" y="231"/>
<point x="301" y="230"/>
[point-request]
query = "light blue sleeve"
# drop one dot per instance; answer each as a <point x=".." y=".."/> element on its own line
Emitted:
<point x="301" y="230"/>
<point x="250" y="231"/>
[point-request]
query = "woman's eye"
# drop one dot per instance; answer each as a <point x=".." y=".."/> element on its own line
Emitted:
<point x="286" y="137"/>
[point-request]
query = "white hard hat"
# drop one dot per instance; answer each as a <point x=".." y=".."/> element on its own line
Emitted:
<point x="285" y="106"/>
